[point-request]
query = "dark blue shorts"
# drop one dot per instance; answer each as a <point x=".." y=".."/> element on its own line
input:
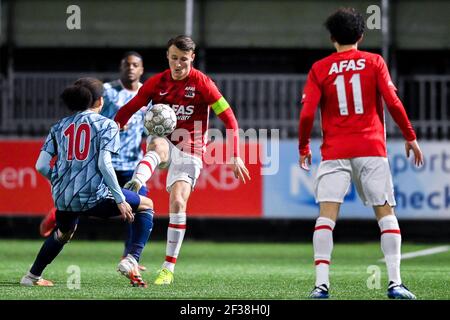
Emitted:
<point x="67" y="220"/>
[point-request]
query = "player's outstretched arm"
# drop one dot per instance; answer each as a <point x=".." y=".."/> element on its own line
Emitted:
<point x="418" y="155"/>
<point x="223" y="110"/>
<point x="141" y="99"/>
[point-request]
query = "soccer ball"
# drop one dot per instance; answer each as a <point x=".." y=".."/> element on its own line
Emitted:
<point x="160" y="120"/>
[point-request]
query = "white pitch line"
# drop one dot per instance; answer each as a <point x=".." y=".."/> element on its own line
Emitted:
<point x="421" y="253"/>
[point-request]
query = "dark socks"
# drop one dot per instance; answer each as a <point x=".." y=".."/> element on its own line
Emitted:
<point x="141" y="229"/>
<point x="49" y="250"/>
<point x="129" y="227"/>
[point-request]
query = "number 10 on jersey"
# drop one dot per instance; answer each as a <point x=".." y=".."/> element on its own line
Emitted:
<point x="76" y="144"/>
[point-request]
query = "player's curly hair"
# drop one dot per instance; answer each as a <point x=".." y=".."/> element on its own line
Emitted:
<point x="182" y="42"/>
<point x="346" y="25"/>
<point x="82" y="94"/>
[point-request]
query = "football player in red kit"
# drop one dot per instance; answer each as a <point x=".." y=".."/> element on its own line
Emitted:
<point x="350" y="86"/>
<point x="191" y="94"/>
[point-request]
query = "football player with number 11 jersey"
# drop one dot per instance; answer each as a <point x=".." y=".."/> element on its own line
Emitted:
<point x="349" y="85"/>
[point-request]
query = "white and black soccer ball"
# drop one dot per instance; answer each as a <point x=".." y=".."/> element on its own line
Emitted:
<point x="160" y="120"/>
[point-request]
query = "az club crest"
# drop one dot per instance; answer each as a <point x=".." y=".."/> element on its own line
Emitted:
<point x="189" y="92"/>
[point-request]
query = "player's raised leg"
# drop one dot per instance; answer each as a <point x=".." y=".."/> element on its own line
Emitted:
<point x="158" y="153"/>
<point x="179" y="196"/>
<point x="391" y="240"/>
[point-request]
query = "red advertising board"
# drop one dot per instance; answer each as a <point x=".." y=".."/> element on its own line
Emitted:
<point x="217" y="193"/>
<point x="23" y="191"/>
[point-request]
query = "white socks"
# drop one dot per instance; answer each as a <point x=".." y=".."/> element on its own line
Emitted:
<point x="147" y="166"/>
<point x="391" y="240"/>
<point x="32" y="276"/>
<point x="175" y="235"/>
<point x="390" y="245"/>
<point x="323" y="246"/>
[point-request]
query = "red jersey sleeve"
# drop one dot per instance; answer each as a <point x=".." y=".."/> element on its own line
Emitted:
<point x="141" y="99"/>
<point x="393" y="103"/>
<point x="310" y="100"/>
<point x="231" y="123"/>
<point x="210" y="91"/>
<point x="214" y="98"/>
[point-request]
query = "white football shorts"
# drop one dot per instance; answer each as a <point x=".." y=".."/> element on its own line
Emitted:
<point x="182" y="166"/>
<point x="371" y="176"/>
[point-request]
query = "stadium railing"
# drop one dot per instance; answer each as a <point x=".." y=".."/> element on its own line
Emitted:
<point x="30" y="102"/>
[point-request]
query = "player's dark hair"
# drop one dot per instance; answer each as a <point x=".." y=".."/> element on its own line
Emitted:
<point x="182" y="42"/>
<point x="346" y="25"/>
<point x="82" y="94"/>
<point x="132" y="53"/>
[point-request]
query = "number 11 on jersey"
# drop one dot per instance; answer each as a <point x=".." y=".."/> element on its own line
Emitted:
<point x="355" y="80"/>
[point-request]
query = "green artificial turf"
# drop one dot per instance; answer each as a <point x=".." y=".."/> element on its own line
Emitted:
<point x="209" y="270"/>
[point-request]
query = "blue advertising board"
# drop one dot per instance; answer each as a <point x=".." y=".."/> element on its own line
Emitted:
<point x="421" y="193"/>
